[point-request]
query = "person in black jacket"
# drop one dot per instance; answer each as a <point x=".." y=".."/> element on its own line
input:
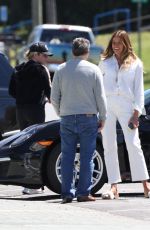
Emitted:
<point x="30" y="86"/>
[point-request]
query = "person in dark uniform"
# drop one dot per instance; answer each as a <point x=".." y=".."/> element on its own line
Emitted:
<point x="30" y="85"/>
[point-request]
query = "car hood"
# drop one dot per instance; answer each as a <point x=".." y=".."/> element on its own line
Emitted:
<point x="44" y="131"/>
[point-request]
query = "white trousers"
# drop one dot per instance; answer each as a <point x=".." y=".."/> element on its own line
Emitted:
<point x="121" y="109"/>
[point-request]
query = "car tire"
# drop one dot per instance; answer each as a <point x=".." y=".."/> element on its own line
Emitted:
<point x="52" y="174"/>
<point x="99" y="172"/>
<point x="53" y="170"/>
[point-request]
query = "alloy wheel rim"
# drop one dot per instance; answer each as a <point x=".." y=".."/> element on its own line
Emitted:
<point x="97" y="168"/>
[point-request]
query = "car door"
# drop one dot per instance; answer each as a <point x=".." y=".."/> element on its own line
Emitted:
<point x="144" y="131"/>
<point x="7" y="103"/>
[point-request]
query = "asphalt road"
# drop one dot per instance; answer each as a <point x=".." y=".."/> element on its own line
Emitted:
<point x="44" y="211"/>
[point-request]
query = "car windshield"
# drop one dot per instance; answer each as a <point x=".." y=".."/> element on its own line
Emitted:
<point x="147" y="96"/>
<point x="63" y="35"/>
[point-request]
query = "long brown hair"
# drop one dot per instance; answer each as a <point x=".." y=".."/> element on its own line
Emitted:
<point x="128" y="52"/>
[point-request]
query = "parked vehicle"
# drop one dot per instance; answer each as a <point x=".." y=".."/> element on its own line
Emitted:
<point x="8" y="122"/>
<point x="2" y="47"/>
<point x="7" y="103"/>
<point x="58" y="39"/>
<point x="32" y="157"/>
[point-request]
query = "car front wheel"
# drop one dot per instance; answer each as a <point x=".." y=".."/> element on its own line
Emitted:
<point x="54" y="169"/>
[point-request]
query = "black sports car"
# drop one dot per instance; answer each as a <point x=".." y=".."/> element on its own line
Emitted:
<point x="32" y="157"/>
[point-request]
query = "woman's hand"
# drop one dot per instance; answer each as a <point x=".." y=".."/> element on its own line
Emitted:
<point x="135" y="119"/>
<point x="135" y="122"/>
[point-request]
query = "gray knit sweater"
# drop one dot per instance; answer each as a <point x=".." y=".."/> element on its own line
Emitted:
<point x="77" y="88"/>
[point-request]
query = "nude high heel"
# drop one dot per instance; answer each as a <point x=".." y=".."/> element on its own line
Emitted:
<point x="147" y="194"/>
<point x="111" y="194"/>
<point x="146" y="186"/>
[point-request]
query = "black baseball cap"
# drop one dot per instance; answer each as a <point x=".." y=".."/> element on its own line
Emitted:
<point x="40" y="47"/>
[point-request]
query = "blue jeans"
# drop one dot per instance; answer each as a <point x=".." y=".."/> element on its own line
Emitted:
<point x="75" y="129"/>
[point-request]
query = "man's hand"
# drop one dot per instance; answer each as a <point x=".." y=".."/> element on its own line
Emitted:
<point x="101" y="126"/>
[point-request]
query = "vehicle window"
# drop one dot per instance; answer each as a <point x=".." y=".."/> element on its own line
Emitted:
<point x="65" y="36"/>
<point x="5" y="71"/>
<point x="147" y="97"/>
<point x="34" y="36"/>
<point x="31" y="38"/>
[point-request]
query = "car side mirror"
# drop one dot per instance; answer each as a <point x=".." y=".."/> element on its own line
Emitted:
<point x="146" y="114"/>
<point x="143" y="111"/>
<point x="147" y="117"/>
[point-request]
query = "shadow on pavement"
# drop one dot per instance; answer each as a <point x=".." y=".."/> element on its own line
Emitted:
<point x="31" y="197"/>
<point x="55" y="197"/>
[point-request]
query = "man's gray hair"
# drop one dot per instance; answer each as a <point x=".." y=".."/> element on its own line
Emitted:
<point x="80" y="46"/>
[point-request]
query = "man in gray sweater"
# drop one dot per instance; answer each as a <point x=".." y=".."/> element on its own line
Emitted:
<point x="78" y="97"/>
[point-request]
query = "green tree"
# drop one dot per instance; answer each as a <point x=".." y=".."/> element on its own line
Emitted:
<point x="72" y="11"/>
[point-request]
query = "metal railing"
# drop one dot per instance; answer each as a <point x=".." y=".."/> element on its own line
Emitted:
<point x="122" y="22"/>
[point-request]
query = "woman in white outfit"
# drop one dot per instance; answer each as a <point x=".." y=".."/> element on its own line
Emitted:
<point x="123" y="81"/>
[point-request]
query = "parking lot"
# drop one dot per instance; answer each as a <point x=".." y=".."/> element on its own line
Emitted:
<point x="44" y="211"/>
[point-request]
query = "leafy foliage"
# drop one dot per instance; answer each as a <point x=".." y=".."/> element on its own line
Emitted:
<point x="75" y="12"/>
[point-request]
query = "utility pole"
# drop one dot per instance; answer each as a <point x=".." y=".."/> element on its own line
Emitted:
<point x="139" y="8"/>
<point x="37" y="12"/>
<point x="51" y="11"/>
<point x="139" y="23"/>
